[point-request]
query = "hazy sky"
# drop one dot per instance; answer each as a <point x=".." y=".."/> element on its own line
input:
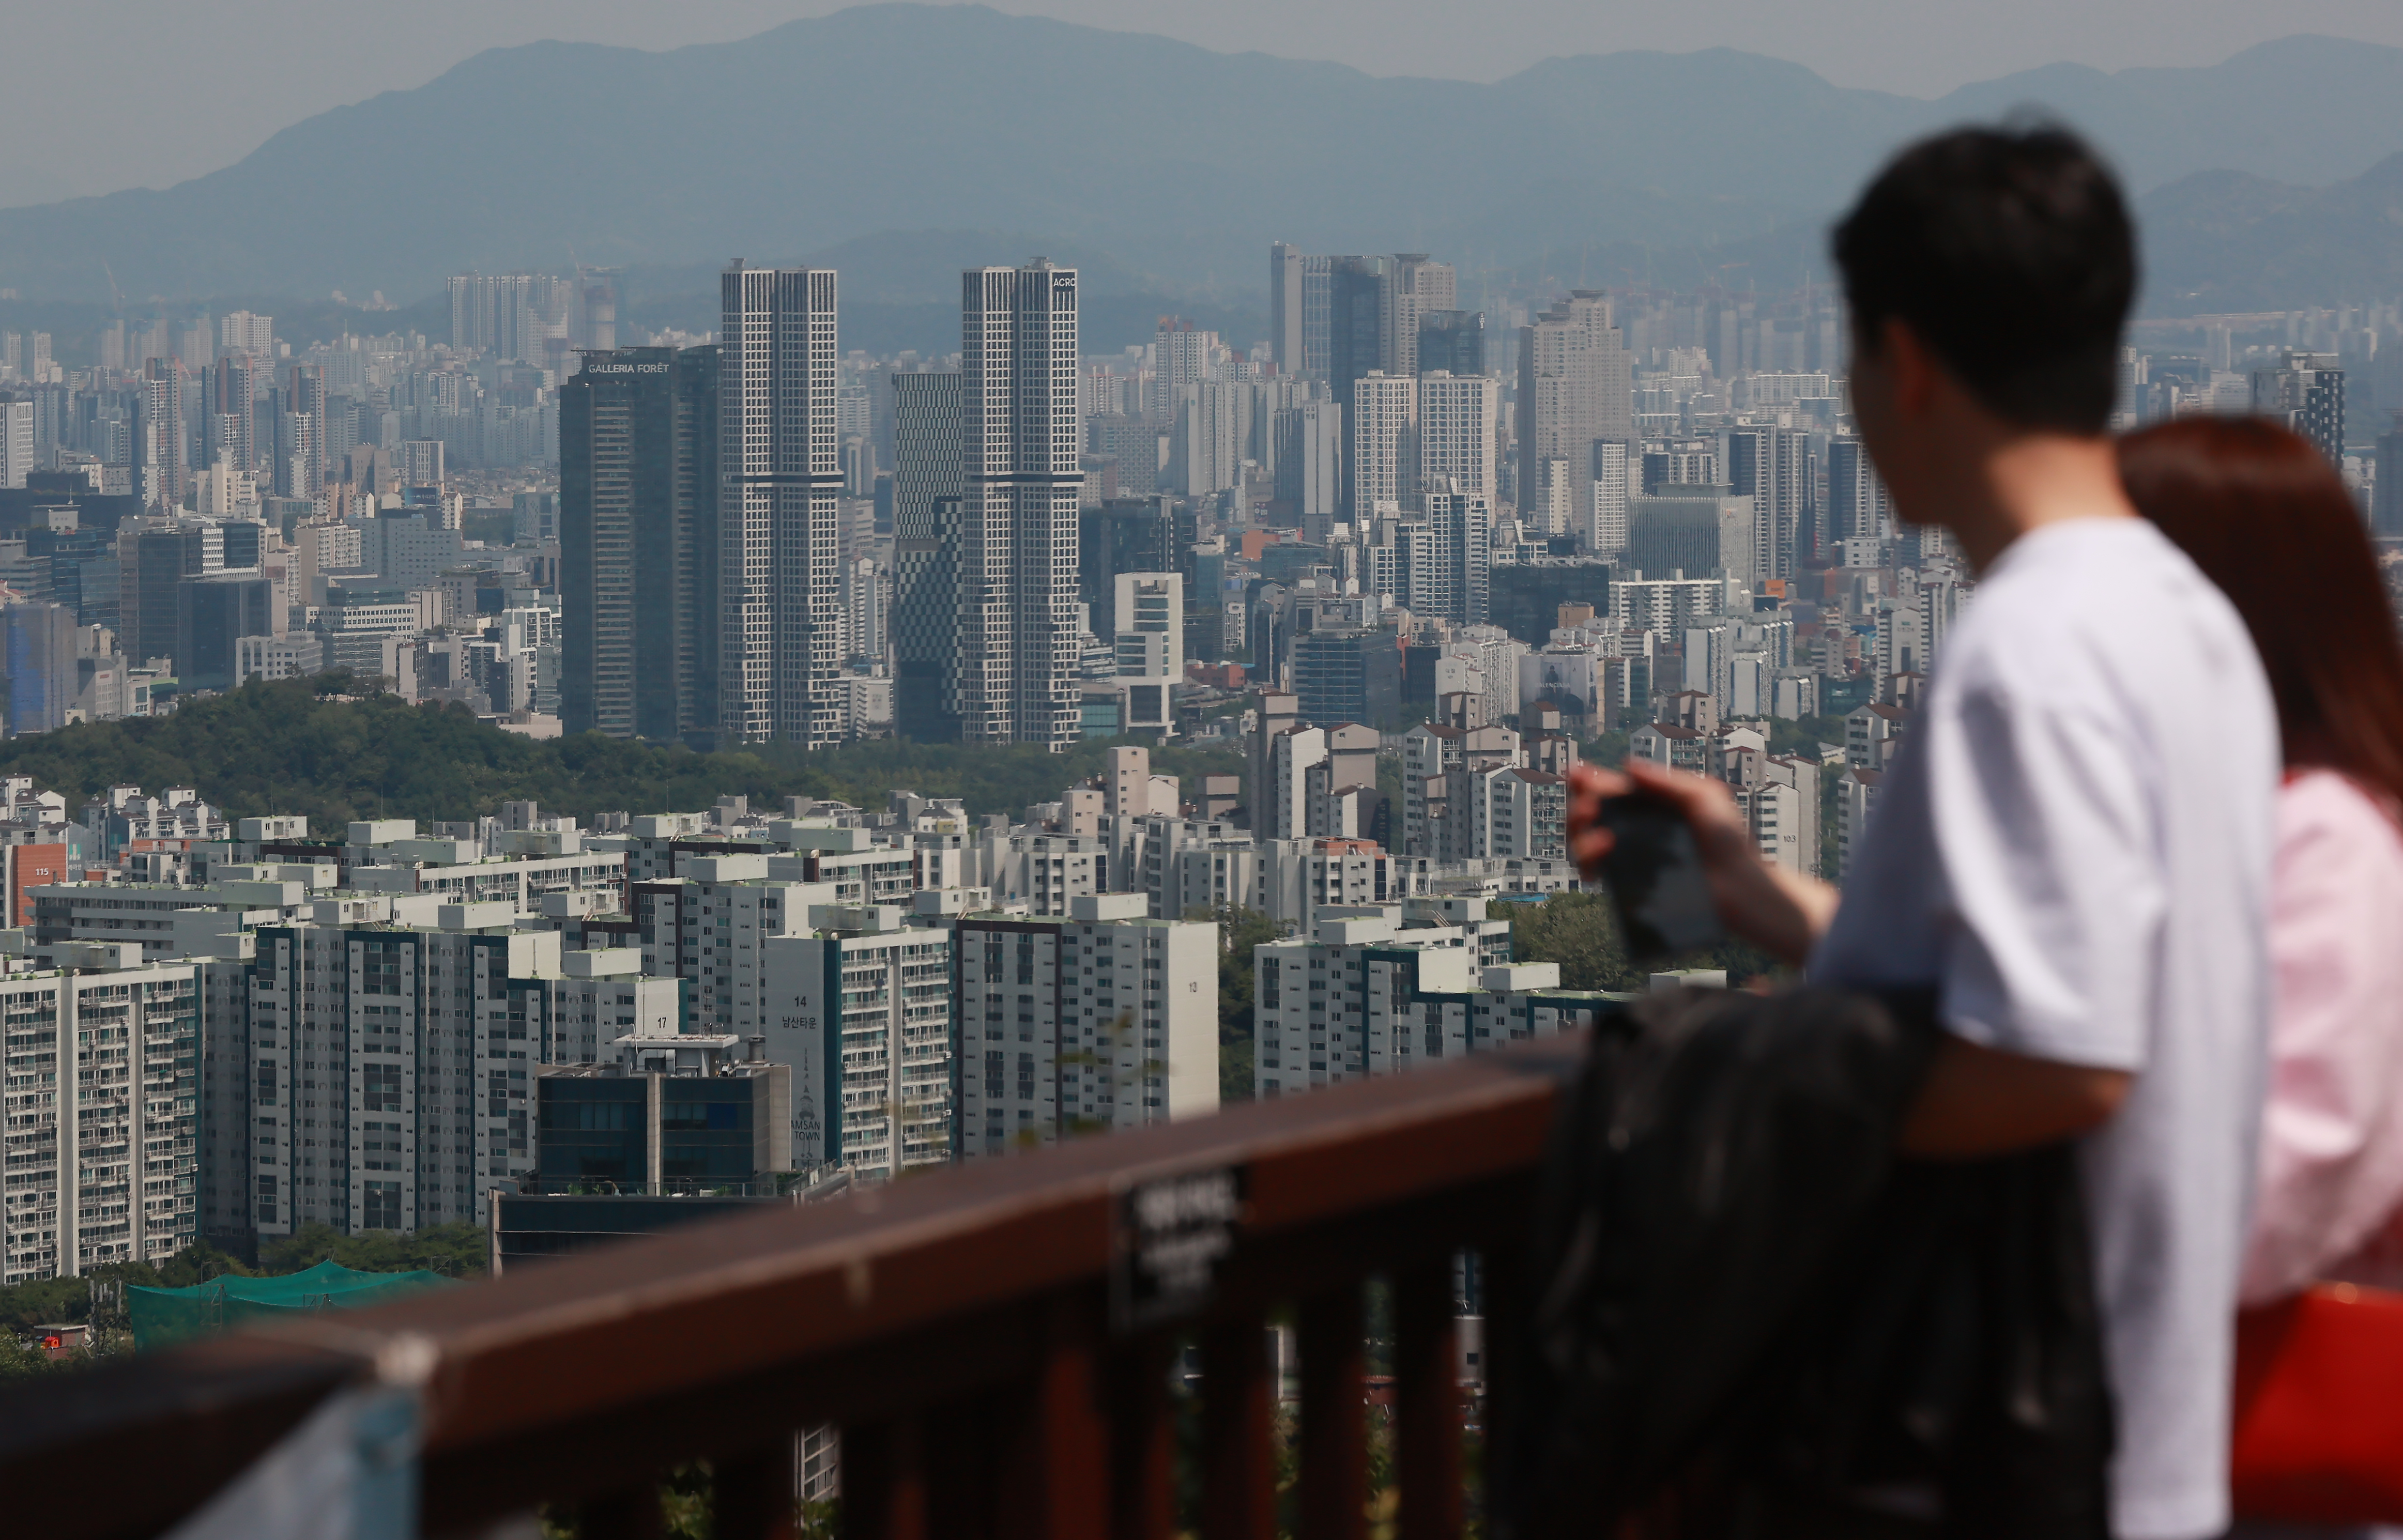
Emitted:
<point x="105" y="94"/>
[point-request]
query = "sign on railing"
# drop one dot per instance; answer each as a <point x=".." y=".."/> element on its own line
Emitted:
<point x="1169" y="1236"/>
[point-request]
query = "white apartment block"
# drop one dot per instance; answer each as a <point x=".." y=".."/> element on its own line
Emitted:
<point x="1359" y="994"/>
<point x="102" y="1106"/>
<point x="1296" y="879"/>
<point x="1385" y="452"/>
<point x="1048" y="872"/>
<point x="389" y="1070"/>
<point x="1456" y="432"/>
<point x="1103" y="1018"/>
<point x="859" y="1004"/>
<point x="1190" y="864"/>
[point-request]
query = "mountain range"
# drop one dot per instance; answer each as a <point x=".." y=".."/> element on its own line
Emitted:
<point x="1163" y="169"/>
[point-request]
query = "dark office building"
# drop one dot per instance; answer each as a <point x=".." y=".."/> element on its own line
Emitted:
<point x="1128" y="534"/>
<point x="1355" y="324"/>
<point x="163" y="555"/>
<point x="1349" y="675"/>
<point x="211" y="615"/>
<point x="928" y="486"/>
<point x="1526" y="597"/>
<point x="638" y="544"/>
<point x="655" y="1133"/>
<point x="1453" y="341"/>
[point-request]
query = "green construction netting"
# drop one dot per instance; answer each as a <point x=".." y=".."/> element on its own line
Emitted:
<point x="163" y="1317"/>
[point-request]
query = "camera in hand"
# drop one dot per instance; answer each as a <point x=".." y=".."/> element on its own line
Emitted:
<point x="1654" y="872"/>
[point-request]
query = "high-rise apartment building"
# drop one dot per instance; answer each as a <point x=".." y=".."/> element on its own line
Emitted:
<point x="236" y="382"/>
<point x="864" y="1016"/>
<point x="1285" y="269"/>
<point x="304" y="400"/>
<point x="159" y="437"/>
<point x="780" y="481"/>
<point x="1181" y="355"/>
<point x="1017" y="637"/>
<point x="1458" y="581"/>
<point x="1093" y="1020"/>
<point x="1309" y="442"/>
<point x="15" y="439"/>
<point x="1457" y="431"/>
<point x="1858" y="507"/>
<point x="516" y="316"/>
<point x="391" y="1067"/>
<point x="1772" y="467"/>
<point x="1416" y="287"/>
<point x="1575" y="385"/>
<point x="638" y="548"/>
<point x="1613" y="479"/>
<point x="927" y="436"/>
<point x="242" y="332"/>
<point x="2305" y="392"/>
<point x="1384" y="453"/>
<point x="103" y="1108"/>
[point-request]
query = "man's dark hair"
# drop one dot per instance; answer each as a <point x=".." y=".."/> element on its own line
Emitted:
<point x="2009" y="252"/>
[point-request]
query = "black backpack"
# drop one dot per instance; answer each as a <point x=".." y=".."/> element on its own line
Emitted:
<point x="1743" y="1301"/>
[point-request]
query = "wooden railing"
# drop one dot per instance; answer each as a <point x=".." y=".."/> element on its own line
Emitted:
<point x="994" y="1340"/>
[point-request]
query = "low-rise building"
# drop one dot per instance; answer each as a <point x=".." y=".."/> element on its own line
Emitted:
<point x="1363" y="993"/>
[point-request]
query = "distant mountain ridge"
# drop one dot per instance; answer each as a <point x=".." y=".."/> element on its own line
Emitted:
<point x="1165" y="168"/>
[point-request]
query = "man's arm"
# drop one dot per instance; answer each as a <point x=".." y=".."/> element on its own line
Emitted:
<point x="1978" y="1100"/>
<point x="1784" y="913"/>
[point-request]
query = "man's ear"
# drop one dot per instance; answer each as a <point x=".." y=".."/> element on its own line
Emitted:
<point x="1909" y="365"/>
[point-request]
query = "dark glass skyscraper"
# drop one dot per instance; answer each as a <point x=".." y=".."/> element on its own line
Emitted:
<point x="638" y="547"/>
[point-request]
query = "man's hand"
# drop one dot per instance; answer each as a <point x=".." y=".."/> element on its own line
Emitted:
<point x="1779" y="912"/>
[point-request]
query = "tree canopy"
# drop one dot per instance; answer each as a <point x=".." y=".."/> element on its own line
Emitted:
<point x="303" y="746"/>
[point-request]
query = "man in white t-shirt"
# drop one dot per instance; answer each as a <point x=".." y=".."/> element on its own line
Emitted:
<point x="2073" y="843"/>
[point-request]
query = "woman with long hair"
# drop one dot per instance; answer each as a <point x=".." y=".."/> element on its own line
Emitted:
<point x="2265" y="517"/>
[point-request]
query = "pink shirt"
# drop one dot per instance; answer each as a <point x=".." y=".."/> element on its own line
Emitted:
<point x="2331" y="1160"/>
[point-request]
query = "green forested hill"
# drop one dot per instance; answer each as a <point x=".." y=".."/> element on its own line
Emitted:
<point x="295" y="747"/>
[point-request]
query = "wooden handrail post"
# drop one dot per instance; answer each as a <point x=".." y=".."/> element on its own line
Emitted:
<point x="1427" y="1398"/>
<point x="1142" y="1440"/>
<point x="1334" y="1422"/>
<point x="756" y="1493"/>
<point x="1055" y="1484"/>
<point x="629" y="1513"/>
<point x="1502" y="1276"/>
<point x="884" y="1481"/>
<point x="1238" y="1431"/>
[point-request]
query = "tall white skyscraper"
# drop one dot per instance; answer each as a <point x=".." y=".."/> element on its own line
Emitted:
<point x="1016" y="675"/>
<point x="1607" y="534"/>
<point x="1384" y="458"/>
<point x="1773" y="465"/>
<point x="1285" y="307"/>
<point x="780" y="480"/>
<point x="1456" y="422"/>
<point x="1575" y="385"/>
<point x="15" y="439"/>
